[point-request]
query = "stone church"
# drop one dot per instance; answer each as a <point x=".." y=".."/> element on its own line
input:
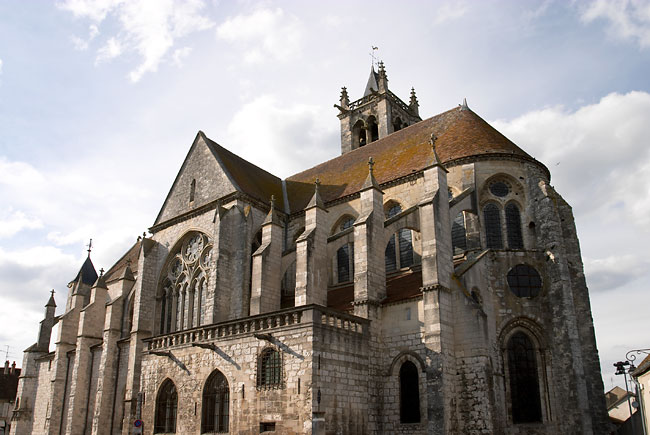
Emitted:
<point x="426" y="281"/>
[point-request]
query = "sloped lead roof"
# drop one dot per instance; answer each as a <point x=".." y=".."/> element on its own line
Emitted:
<point x="372" y="82"/>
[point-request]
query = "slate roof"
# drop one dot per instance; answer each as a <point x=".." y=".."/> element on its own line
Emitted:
<point x="249" y="178"/>
<point x="87" y="273"/>
<point x="130" y="257"/>
<point x="460" y="132"/>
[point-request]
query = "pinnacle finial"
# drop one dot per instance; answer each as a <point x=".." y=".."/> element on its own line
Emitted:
<point x="272" y="202"/>
<point x="90" y="246"/>
<point x="371" y="163"/>
<point x="436" y="159"/>
<point x="317" y="184"/>
<point x="464" y="106"/>
<point x="52" y="292"/>
<point x="101" y="272"/>
<point x="144" y="234"/>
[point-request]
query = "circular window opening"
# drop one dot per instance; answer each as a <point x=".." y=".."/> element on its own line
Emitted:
<point x="524" y="281"/>
<point x="499" y="188"/>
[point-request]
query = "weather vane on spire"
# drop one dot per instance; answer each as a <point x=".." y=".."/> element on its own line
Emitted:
<point x="90" y="246"/>
<point x="372" y="55"/>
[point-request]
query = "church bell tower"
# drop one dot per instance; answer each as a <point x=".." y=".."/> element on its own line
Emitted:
<point x="375" y="115"/>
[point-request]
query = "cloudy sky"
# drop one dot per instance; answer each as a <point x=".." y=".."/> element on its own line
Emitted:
<point x="100" y="101"/>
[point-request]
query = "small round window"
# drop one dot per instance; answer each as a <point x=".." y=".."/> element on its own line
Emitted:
<point x="524" y="281"/>
<point x="499" y="188"/>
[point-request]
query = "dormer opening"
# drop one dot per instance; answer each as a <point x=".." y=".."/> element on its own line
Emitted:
<point x="192" y="190"/>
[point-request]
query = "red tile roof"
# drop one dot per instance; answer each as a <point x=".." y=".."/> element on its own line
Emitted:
<point x="460" y="134"/>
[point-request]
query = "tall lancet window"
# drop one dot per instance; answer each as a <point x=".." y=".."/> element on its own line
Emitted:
<point x="166" y="405"/>
<point x="524" y="380"/>
<point x="492" y="222"/>
<point x="513" y="226"/>
<point x="192" y="190"/>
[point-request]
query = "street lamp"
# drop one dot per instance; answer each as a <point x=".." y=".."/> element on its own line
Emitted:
<point x="621" y="370"/>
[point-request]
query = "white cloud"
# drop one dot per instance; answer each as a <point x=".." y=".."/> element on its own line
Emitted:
<point x="149" y="28"/>
<point x="82" y="44"/>
<point x="264" y="34"/>
<point x="180" y="54"/>
<point x="598" y="155"/>
<point x="627" y="19"/>
<point x="450" y="12"/>
<point x="285" y="138"/>
<point x="614" y="271"/>
<point x="110" y="50"/>
<point x="14" y="221"/>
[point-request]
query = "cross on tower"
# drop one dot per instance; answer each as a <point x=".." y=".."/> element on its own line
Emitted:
<point x="372" y="54"/>
<point x="371" y="163"/>
<point x="90" y="246"/>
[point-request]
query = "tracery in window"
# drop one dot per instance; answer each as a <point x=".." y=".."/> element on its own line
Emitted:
<point x="492" y="223"/>
<point x="216" y="404"/>
<point x="344" y="222"/>
<point x="524" y="281"/>
<point x="513" y="227"/>
<point x="499" y="188"/>
<point x="399" y="249"/>
<point x="166" y="404"/>
<point x="184" y="284"/>
<point x="524" y="381"/>
<point x="269" y="374"/>
<point x="409" y="393"/>
<point x="345" y="263"/>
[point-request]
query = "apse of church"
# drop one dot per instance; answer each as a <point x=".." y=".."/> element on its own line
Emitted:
<point x="426" y="281"/>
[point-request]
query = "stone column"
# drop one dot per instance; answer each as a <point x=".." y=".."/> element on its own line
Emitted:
<point x="437" y="267"/>
<point x="91" y="323"/>
<point x="266" y="276"/>
<point x="144" y="310"/>
<point x="108" y="372"/>
<point x="369" y="248"/>
<point x="311" y="255"/>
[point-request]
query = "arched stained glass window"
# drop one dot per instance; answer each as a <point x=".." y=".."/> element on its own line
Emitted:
<point x="458" y="236"/>
<point x="409" y="393"/>
<point x="216" y="404"/>
<point x="492" y="226"/>
<point x="269" y="373"/>
<point x="166" y="404"/>
<point x="393" y="210"/>
<point x="513" y="226"/>
<point x="345" y="263"/>
<point x="347" y="223"/>
<point x="524" y="381"/>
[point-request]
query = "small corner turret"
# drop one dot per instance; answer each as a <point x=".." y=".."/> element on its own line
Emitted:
<point x="375" y="115"/>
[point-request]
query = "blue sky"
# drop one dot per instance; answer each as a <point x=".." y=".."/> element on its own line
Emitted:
<point x="100" y="101"/>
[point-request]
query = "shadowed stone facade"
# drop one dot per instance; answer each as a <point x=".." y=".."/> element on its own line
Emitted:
<point x="427" y="281"/>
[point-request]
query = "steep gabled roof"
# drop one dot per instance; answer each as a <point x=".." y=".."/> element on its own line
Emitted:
<point x="372" y="83"/>
<point x="247" y="177"/>
<point x="215" y="172"/>
<point x="460" y="133"/>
